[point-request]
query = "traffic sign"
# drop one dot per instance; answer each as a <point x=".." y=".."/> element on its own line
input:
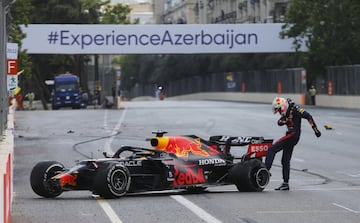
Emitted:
<point x="11" y="66"/>
<point x="12" y="82"/>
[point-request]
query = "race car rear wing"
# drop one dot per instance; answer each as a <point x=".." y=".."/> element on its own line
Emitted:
<point x="236" y="140"/>
<point x="257" y="146"/>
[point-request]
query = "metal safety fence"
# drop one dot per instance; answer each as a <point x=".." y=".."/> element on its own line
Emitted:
<point x="338" y="80"/>
<point x="342" y="80"/>
<point x="280" y="81"/>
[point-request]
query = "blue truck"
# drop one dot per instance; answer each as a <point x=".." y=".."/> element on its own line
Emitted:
<point x="66" y="92"/>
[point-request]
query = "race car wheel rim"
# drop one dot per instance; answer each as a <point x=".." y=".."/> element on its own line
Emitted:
<point x="262" y="177"/>
<point x="48" y="183"/>
<point x="119" y="180"/>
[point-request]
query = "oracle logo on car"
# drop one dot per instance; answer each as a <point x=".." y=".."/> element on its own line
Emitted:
<point x="131" y="163"/>
<point x="188" y="177"/>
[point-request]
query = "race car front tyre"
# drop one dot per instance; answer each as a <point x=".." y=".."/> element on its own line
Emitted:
<point x="250" y="175"/>
<point x="113" y="181"/>
<point x="40" y="178"/>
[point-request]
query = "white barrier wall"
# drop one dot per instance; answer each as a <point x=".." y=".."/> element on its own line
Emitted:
<point x="335" y="101"/>
<point x="6" y="169"/>
<point x="237" y="96"/>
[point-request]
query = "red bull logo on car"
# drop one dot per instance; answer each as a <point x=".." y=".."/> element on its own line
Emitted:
<point x="181" y="146"/>
<point x="188" y="176"/>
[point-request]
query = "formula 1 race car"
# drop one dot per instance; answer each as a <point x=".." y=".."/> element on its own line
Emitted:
<point x="174" y="162"/>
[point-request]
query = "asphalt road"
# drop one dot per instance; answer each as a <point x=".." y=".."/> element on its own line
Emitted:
<point x="325" y="176"/>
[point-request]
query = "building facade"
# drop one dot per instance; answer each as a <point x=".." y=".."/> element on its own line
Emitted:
<point x="180" y="12"/>
<point x="219" y="11"/>
<point x="141" y="10"/>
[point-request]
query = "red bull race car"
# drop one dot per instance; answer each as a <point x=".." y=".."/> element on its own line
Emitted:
<point x="174" y="162"/>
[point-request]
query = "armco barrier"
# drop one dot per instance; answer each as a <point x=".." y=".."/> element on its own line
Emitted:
<point x="6" y="168"/>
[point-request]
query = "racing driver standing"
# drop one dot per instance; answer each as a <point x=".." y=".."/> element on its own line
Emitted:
<point x="291" y="115"/>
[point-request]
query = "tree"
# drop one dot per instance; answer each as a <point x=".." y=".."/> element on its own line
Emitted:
<point x="20" y="11"/>
<point x="44" y="67"/>
<point x="116" y="14"/>
<point x="329" y="28"/>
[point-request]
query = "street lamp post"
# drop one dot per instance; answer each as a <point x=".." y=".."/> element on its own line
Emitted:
<point x="97" y="84"/>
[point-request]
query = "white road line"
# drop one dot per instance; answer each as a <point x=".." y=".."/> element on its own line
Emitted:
<point x="105" y="124"/>
<point x="354" y="175"/>
<point x="349" y="173"/>
<point x="107" y="148"/>
<point x="108" y="210"/>
<point x="346" y="208"/>
<point x="195" y="209"/>
<point x="329" y="189"/>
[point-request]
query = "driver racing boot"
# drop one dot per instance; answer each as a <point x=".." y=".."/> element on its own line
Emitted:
<point x="283" y="186"/>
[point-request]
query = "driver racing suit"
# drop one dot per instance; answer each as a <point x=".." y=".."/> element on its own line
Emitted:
<point x="292" y="119"/>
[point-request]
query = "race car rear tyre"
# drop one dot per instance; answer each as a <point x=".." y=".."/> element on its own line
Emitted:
<point x="250" y="175"/>
<point x="113" y="181"/>
<point x="40" y="178"/>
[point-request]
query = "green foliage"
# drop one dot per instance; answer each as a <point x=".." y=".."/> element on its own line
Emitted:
<point x="116" y="14"/>
<point x="20" y="11"/>
<point x="41" y="67"/>
<point x="331" y="29"/>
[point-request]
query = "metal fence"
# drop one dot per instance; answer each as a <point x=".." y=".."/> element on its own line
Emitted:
<point x="343" y="80"/>
<point x="280" y="81"/>
<point x="339" y="80"/>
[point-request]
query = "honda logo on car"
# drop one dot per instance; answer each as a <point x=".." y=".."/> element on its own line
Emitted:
<point x="217" y="162"/>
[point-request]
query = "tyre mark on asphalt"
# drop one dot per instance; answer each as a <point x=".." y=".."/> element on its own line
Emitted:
<point x="248" y="220"/>
<point x="107" y="146"/>
<point x="76" y="149"/>
<point x="326" y="180"/>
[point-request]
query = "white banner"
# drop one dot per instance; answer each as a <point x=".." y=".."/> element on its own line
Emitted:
<point x="12" y="51"/>
<point x="155" y="39"/>
<point x="12" y="66"/>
